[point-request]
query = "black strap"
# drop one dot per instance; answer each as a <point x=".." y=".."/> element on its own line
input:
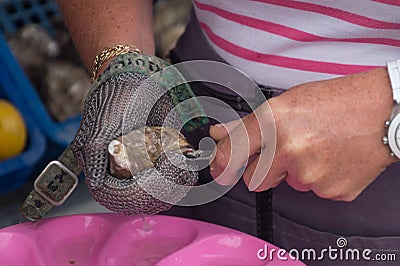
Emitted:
<point x="264" y="215"/>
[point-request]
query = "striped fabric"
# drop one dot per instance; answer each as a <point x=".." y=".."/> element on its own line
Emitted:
<point x="282" y="43"/>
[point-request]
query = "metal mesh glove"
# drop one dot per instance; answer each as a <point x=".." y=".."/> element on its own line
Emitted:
<point x="123" y="99"/>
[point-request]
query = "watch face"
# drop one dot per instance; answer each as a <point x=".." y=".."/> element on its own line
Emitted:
<point x="394" y="135"/>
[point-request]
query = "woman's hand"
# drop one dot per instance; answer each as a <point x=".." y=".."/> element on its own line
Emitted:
<point x="329" y="137"/>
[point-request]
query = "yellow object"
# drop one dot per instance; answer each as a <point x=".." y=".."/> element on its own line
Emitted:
<point x="13" y="133"/>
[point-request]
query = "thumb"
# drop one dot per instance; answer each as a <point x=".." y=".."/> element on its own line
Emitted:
<point x="220" y="131"/>
<point x="233" y="151"/>
<point x="244" y="140"/>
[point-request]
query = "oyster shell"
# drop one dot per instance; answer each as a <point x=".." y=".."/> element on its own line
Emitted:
<point x="141" y="148"/>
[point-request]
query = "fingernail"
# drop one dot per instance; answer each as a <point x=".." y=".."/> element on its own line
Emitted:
<point x="212" y="156"/>
<point x="252" y="188"/>
<point x="215" y="171"/>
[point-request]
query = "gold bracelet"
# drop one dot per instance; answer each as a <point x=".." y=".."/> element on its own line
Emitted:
<point x="109" y="53"/>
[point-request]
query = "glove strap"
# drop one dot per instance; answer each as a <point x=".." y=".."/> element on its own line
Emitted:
<point x="111" y="52"/>
<point x="53" y="186"/>
<point x="167" y="76"/>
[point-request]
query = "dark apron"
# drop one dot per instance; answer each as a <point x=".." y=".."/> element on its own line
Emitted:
<point x="292" y="219"/>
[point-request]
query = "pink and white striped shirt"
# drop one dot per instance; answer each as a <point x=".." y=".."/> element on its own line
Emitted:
<point x="282" y="43"/>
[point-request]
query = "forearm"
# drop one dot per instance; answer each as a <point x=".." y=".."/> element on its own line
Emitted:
<point x="96" y="24"/>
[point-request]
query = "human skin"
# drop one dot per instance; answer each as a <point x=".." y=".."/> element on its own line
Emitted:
<point x="96" y="24"/>
<point x="329" y="137"/>
<point x="329" y="133"/>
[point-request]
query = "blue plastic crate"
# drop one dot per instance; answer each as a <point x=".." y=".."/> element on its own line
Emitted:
<point x="16" y="171"/>
<point x="14" y="14"/>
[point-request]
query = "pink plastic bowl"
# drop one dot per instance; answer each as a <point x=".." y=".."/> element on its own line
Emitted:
<point x="112" y="239"/>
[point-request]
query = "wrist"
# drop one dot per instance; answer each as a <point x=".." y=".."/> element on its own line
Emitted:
<point x="108" y="54"/>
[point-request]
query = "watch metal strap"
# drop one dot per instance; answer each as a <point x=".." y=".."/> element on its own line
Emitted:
<point x="394" y="75"/>
<point x="53" y="186"/>
<point x="393" y="123"/>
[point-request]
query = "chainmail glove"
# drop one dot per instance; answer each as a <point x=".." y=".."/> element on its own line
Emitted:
<point x="133" y="92"/>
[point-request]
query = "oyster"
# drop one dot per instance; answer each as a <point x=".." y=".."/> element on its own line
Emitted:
<point x="141" y="148"/>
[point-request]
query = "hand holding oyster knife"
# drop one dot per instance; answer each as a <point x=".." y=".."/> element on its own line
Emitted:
<point x="140" y="94"/>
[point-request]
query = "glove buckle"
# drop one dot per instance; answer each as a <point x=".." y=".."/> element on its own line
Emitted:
<point x="53" y="186"/>
<point x="56" y="183"/>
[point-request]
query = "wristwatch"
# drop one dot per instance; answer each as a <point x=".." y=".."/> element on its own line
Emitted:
<point x="393" y="124"/>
